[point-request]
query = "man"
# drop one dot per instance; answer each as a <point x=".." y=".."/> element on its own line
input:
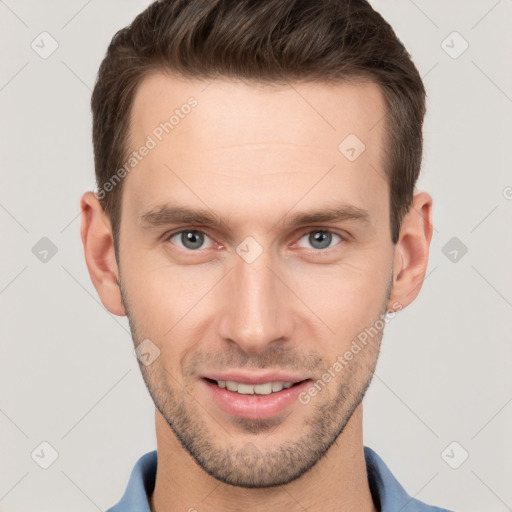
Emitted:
<point x="256" y="220"/>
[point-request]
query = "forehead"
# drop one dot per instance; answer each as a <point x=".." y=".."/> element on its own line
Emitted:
<point x="304" y="113"/>
<point x="231" y="137"/>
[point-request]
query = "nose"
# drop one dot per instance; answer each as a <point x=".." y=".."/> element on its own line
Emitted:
<point x="257" y="306"/>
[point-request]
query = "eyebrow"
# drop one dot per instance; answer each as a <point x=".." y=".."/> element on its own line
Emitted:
<point x="339" y="213"/>
<point x="168" y="214"/>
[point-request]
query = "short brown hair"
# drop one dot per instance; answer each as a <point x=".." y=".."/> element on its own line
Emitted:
<point x="261" y="41"/>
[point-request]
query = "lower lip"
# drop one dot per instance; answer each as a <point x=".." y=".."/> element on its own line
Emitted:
<point x="256" y="407"/>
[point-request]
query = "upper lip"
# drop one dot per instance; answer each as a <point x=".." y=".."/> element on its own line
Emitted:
<point x="256" y="378"/>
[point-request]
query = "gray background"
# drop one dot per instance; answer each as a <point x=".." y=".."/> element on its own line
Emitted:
<point x="67" y="368"/>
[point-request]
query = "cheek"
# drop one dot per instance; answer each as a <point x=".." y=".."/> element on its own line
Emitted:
<point x="346" y="297"/>
<point x="166" y="299"/>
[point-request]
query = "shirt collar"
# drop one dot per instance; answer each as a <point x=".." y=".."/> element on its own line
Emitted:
<point x="387" y="493"/>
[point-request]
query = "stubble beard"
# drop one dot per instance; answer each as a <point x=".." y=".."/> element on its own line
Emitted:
<point x="248" y="464"/>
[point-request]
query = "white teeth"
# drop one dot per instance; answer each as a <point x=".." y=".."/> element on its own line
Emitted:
<point x="258" y="389"/>
<point x="232" y="386"/>
<point x="263" y="389"/>
<point x="277" y="386"/>
<point x="245" y="389"/>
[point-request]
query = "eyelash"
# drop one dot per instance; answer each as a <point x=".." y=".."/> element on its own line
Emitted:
<point x="167" y="237"/>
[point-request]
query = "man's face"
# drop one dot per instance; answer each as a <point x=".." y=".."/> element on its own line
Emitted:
<point x="288" y="300"/>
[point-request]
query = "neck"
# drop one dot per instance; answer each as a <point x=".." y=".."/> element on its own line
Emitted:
<point x="337" y="482"/>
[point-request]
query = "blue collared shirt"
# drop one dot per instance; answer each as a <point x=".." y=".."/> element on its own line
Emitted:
<point x="387" y="493"/>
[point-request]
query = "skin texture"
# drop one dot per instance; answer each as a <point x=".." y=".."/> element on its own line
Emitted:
<point x="255" y="156"/>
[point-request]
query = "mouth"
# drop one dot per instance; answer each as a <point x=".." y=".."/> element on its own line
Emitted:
<point x="263" y="400"/>
<point x="266" y="388"/>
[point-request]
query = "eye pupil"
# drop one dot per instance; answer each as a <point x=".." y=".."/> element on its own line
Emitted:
<point x="192" y="239"/>
<point x="321" y="237"/>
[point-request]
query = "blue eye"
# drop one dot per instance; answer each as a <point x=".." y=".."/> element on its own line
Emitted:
<point x="320" y="239"/>
<point x="194" y="240"/>
<point x="189" y="239"/>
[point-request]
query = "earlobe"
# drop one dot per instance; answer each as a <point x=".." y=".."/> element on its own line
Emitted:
<point x="99" y="253"/>
<point x="411" y="252"/>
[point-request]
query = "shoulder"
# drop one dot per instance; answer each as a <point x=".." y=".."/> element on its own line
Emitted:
<point x="140" y="486"/>
<point x="387" y="492"/>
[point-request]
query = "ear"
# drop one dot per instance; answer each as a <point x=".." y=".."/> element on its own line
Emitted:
<point x="411" y="252"/>
<point x="96" y="233"/>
